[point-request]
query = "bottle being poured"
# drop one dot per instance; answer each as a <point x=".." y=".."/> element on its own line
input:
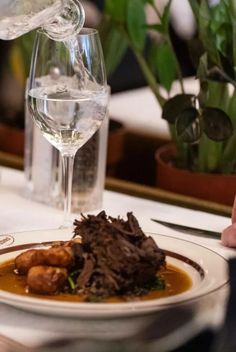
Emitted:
<point x="59" y="19"/>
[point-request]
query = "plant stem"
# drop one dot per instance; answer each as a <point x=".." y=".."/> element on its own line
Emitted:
<point x="179" y="73"/>
<point x="223" y="74"/>
<point x="67" y="165"/>
<point x="149" y="77"/>
<point x="148" y="74"/>
<point x="156" y="10"/>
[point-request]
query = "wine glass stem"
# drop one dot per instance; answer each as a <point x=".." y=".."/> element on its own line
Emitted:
<point x="67" y="165"/>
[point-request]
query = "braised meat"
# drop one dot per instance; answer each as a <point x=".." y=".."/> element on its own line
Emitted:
<point x="107" y="256"/>
<point x="118" y="256"/>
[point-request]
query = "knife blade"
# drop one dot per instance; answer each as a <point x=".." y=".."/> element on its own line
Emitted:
<point x="190" y="230"/>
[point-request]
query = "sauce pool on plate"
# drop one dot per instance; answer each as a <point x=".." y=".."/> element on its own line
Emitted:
<point x="176" y="281"/>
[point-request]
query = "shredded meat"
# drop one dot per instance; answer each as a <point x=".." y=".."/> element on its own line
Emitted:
<point x="106" y="256"/>
<point x="118" y="256"/>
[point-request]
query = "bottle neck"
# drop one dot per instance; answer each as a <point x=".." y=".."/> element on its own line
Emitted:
<point x="68" y="22"/>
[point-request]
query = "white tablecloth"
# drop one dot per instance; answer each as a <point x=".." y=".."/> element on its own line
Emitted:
<point x="20" y="214"/>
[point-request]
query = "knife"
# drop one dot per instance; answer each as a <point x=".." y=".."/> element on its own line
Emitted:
<point x="190" y="230"/>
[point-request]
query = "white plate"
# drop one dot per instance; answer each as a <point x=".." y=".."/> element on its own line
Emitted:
<point x="208" y="270"/>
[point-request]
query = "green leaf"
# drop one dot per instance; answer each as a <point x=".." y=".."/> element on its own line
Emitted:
<point x="196" y="50"/>
<point x="114" y="44"/>
<point x="174" y="106"/>
<point x="165" y="64"/>
<point x="156" y="26"/>
<point x="220" y="27"/>
<point x="203" y="93"/>
<point x="163" y="26"/>
<point x="233" y="22"/>
<point x="209" y="71"/>
<point x="188" y="127"/>
<point x="136" y="22"/>
<point x="116" y="9"/>
<point x="221" y="42"/>
<point x="202" y="71"/>
<point x="232" y="8"/>
<point x="165" y="19"/>
<point x="217" y="95"/>
<point x="216" y="124"/>
<point x="205" y="33"/>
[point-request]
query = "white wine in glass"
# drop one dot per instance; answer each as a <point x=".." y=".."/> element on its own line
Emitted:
<point x="68" y="96"/>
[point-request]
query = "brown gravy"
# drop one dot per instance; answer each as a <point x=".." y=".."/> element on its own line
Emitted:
<point x="176" y="281"/>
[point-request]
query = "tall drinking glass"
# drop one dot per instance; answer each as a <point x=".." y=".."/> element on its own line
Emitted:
<point x="68" y="96"/>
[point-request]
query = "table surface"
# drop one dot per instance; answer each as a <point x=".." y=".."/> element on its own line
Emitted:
<point x="20" y="214"/>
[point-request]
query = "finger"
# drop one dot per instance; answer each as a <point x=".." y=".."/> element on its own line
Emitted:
<point x="228" y="236"/>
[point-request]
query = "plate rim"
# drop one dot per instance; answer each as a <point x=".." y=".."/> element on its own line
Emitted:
<point x="13" y="233"/>
<point x="87" y="308"/>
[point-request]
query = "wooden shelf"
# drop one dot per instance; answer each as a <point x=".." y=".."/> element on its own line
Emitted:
<point x="11" y="160"/>
<point x="157" y="194"/>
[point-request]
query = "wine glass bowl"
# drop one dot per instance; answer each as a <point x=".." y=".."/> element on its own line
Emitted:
<point x="68" y="95"/>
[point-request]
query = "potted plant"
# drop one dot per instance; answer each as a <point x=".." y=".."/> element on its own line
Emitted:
<point x="201" y="126"/>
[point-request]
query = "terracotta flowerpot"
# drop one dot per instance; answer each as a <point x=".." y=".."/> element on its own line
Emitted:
<point x="213" y="187"/>
<point x="11" y="140"/>
<point x="115" y="146"/>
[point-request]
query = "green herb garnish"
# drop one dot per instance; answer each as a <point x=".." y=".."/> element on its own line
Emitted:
<point x="72" y="279"/>
<point x="159" y="284"/>
<point x="71" y="283"/>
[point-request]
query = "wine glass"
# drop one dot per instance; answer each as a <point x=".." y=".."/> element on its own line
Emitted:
<point x="68" y="96"/>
